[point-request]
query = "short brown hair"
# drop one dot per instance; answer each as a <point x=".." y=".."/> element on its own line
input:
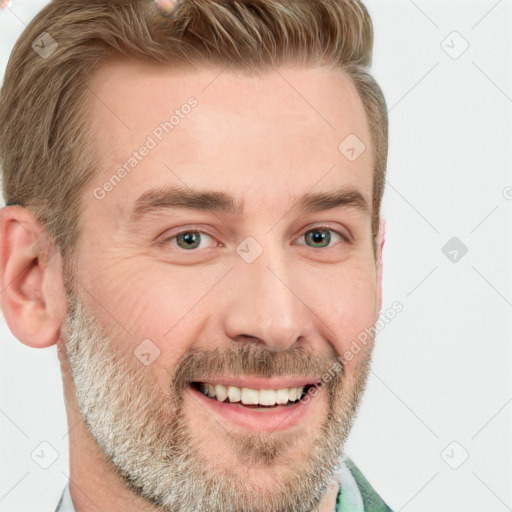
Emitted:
<point x="45" y="152"/>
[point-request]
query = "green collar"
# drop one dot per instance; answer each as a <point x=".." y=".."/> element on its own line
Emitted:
<point x="355" y="493"/>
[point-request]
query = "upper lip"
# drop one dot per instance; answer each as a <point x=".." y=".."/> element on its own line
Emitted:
<point x="259" y="382"/>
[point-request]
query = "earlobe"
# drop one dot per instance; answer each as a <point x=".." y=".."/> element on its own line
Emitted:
<point x="32" y="298"/>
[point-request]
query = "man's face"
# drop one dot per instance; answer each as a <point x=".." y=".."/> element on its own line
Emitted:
<point x="265" y="296"/>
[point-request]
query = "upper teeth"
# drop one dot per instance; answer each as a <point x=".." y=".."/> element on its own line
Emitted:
<point x="252" y="396"/>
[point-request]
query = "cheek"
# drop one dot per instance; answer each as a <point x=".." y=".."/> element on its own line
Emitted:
<point x="152" y="301"/>
<point x="142" y="299"/>
<point x="349" y="306"/>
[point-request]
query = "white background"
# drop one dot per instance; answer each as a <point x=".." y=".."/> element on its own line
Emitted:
<point x="440" y="387"/>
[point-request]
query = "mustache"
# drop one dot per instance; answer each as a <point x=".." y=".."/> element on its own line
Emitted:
<point x="256" y="361"/>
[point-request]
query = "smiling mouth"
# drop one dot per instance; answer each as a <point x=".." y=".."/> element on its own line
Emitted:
<point x="252" y="398"/>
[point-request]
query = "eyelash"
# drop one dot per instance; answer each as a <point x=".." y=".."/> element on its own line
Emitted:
<point x="167" y="241"/>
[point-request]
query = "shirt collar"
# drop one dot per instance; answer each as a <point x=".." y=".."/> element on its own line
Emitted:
<point x="65" y="502"/>
<point x="349" y="497"/>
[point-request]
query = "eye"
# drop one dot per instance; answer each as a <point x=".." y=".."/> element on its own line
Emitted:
<point x="188" y="240"/>
<point x="320" y="237"/>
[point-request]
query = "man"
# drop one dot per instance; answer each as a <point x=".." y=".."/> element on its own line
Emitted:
<point x="193" y="218"/>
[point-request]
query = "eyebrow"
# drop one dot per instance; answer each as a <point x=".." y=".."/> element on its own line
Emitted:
<point x="174" y="197"/>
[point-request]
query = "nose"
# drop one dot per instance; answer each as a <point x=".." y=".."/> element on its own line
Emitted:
<point x="264" y="303"/>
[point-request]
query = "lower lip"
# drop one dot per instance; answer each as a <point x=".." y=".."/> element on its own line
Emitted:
<point x="262" y="419"/>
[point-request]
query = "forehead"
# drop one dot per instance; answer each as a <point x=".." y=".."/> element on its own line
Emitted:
<point x="262" y="136"/>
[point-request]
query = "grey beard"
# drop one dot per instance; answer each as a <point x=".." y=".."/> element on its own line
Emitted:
<point x="145" y="437"/>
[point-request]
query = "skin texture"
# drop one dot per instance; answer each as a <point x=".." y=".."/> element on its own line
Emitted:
<point x="168" y="8"/>
<point x="146" y="442"/>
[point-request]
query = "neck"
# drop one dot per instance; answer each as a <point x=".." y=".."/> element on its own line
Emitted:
<point x="328" y="503"/>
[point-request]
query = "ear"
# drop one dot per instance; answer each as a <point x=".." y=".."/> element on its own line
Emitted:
<point x="381" y="240"/>
<point x="32" y="297"/>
